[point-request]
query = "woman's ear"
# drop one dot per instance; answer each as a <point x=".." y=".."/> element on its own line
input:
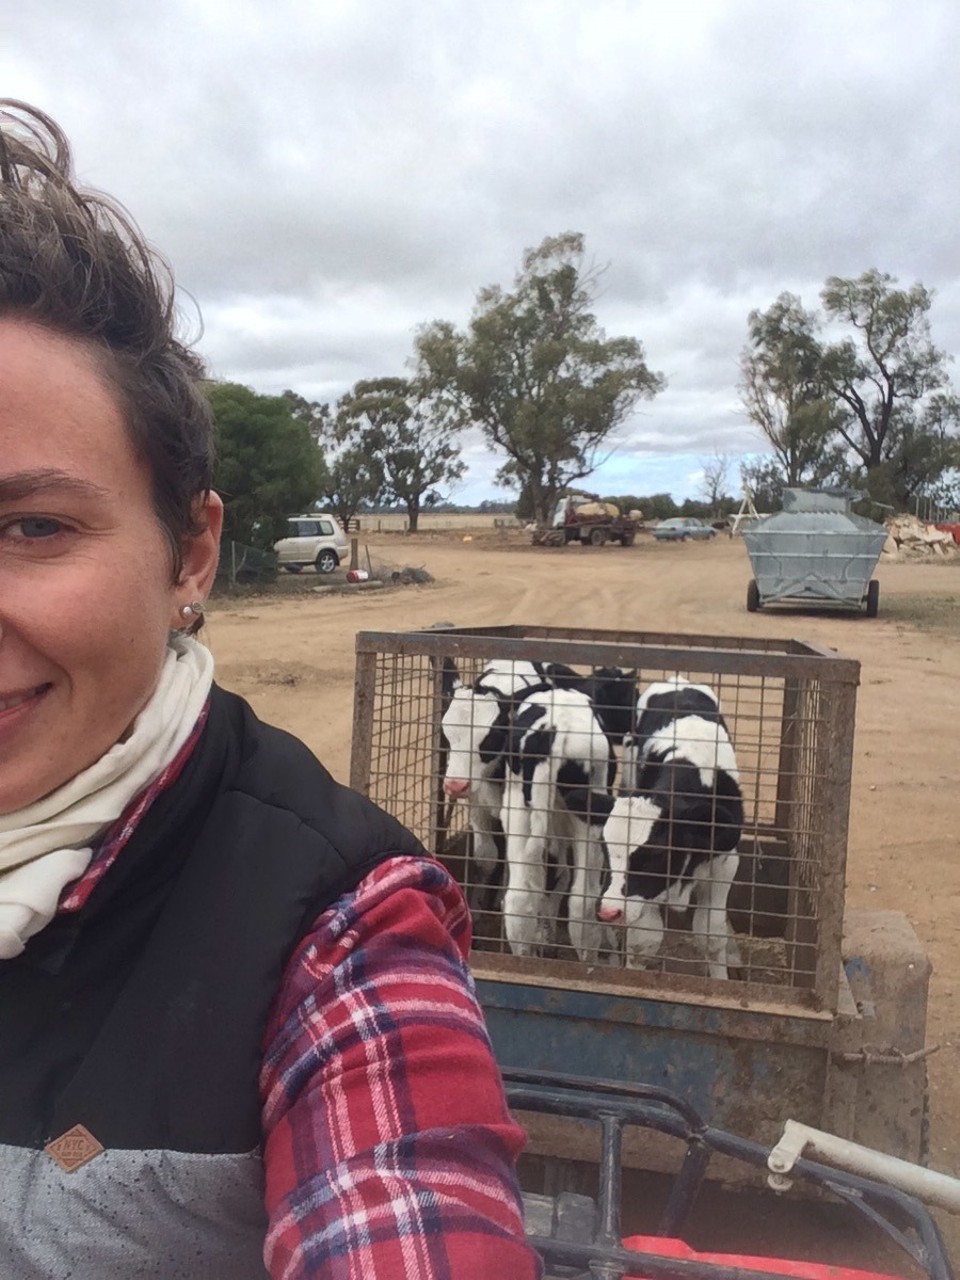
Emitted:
<point x="202" y="550"/>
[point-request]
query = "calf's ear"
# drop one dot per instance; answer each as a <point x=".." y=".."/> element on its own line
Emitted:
<point x="715" y="828"/>
<point x="587" y="803"/>
<point x="449" y="678"/>
<point x="561" y="676"/>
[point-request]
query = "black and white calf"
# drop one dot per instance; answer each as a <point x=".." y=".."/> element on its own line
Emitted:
<point x="611" y="690"/>
<point x="673" y="844"/>
<point x="556" y="742"/>
<point x="475" y="726"/>
<point x="660" y="704"/>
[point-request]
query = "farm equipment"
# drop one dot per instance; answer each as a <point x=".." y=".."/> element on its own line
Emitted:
<point x="825" y="1020"/>
<point x="815" y="552"/>
<point x="589" y="521"/>
<point x="570" y="1229"/>
<point x="575" y="1230"/>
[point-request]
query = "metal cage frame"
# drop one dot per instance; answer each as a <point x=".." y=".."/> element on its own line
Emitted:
<point x="814" y="708"/>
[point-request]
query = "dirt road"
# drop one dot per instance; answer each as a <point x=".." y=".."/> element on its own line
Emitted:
<point x="293" y="658"/>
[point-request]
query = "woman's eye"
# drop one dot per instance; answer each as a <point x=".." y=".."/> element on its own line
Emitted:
<point x="35" y="527"/>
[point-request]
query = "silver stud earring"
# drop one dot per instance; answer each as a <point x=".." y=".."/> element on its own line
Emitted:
<point x="192" y="610"/>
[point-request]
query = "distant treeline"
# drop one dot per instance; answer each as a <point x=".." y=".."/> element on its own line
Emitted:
<point x="661" y="506"/>
<point x="655" y="506"/>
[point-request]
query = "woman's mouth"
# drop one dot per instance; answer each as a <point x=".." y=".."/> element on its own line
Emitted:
<point x="11" y="700"/>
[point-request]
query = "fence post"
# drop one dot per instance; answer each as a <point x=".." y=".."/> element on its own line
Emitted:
<point x="354" y="553"/>
<point x="364" y="703"/>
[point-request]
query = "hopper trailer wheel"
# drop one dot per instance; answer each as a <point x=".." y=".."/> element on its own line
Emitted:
<point x="753" y="596"/>
<point x="873" y="598"/>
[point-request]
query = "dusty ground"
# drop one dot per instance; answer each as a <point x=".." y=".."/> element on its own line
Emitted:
<point x="293" y="658"/>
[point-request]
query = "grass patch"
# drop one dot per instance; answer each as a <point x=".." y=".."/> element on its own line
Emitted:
<point x="926" y="612"/>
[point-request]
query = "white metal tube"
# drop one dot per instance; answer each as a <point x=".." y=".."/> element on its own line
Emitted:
<point x="927" y="1185"/>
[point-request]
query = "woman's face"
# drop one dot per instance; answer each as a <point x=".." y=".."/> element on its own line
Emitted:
<point x="86" y="597"/>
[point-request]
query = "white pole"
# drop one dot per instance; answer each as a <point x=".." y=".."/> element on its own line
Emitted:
<point x="800" y="1140"/>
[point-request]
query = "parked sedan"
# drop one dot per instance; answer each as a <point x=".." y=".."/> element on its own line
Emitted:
<point x="680" y="528"/>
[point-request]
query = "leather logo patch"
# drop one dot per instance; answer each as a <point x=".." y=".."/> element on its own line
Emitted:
<point x="74" y="1148"/>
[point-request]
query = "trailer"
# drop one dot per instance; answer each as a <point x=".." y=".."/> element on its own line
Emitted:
<point x="815" y="552"/>
<point x="825" y="1021"/>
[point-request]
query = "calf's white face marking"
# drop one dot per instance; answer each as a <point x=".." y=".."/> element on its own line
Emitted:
<point x="466" y="723"/>
<point x="628" y="827"/>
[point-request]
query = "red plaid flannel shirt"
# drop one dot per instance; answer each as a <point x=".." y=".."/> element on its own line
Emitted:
<point x="388" y="1147"/>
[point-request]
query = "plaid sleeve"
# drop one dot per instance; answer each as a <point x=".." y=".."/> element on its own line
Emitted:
<point x="388" y="1147"/>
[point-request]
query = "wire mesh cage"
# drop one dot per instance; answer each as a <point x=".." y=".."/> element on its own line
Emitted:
<point x="651" y="812"/>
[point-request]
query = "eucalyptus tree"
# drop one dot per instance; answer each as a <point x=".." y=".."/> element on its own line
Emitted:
<point x="536" y="373"/>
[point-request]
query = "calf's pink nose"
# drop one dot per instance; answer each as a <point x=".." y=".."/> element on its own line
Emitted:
<point x="609" y="914"/>
<point x="456" y="786"/>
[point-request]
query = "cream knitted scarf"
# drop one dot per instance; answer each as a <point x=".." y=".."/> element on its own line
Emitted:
<point x="48" y="844"/>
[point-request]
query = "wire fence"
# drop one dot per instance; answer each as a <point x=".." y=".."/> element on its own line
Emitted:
<point x="243" y="564"/>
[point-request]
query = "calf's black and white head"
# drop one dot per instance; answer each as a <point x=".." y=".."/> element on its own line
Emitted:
<point x="476" y="720"/>
<point x="474" y="726"/>
<point x="668" y="700"/>
<point x="655" y="844"/>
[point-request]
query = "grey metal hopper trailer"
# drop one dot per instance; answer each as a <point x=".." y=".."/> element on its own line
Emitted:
<point x="816" y="552"/>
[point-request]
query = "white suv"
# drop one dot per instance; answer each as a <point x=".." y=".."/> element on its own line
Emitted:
<point x="318" y="540"/>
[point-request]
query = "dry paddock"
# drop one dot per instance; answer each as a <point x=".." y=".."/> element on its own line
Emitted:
<point x="291" y="655"/>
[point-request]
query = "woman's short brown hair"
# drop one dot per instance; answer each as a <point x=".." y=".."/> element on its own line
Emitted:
<point x="72" y="261"/>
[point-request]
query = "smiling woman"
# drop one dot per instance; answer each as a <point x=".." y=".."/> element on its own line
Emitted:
<point x="189" y="905"/>
<point x="75" y="539"/>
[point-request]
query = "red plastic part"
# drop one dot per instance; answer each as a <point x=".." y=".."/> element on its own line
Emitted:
<point x="669" y="1248"/>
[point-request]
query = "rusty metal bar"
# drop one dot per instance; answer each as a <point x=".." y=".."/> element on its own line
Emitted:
<point x="787" y="765"/>
<point x="806" y="847"/>
<point x="364" y="699"/>
<point x="689" y="639"/>
<point x="573" y="975"/>
<point x="834" y="772"/>
<point x="440" y="806"/>
<point x="598" y="653"/>
<point x="757" y="644"/>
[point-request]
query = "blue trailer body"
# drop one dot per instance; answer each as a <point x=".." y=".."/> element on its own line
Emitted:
<point x="858" y="1071"/>
<point x="742" y="1069"/>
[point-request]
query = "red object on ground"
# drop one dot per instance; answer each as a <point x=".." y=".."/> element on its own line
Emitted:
<point x="953" y="529"/>
<point x="668" y="1248"/>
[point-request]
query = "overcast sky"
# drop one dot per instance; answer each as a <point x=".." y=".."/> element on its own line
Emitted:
<point x="325" y="175"/>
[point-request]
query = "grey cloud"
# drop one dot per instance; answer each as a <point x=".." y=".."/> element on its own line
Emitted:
<point x="326" y="177"/>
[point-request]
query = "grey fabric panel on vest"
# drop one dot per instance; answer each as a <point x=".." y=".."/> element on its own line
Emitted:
<point x="163" y="1214"/>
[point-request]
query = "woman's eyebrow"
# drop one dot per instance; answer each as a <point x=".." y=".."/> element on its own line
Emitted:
<point x="27" y="484"/>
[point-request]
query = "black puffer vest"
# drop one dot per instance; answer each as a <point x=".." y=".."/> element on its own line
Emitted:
<point x="141" y="1017"/>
